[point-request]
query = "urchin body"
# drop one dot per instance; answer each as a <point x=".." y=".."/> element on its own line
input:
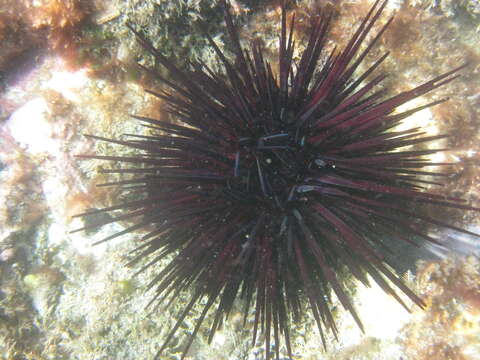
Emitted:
<point x="271" y="180"/>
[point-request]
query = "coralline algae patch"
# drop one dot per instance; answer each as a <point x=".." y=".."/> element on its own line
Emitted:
<point x="450" y="326"/>
<point x="61" y="298"/>
<point x="46" y="126"/>
<point x="28" y="26"/>
<point x="43" y="185"/>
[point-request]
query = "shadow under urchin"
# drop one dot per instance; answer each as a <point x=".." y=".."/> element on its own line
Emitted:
<point x="271" y="180"/>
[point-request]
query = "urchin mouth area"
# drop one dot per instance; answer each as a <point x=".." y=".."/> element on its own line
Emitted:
<point x="273" y="168"/>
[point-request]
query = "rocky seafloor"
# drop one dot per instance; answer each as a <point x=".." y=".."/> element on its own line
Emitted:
<point x="67" y="68"/>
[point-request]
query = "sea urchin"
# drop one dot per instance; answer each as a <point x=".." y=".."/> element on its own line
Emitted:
<point x="271" y="180"/>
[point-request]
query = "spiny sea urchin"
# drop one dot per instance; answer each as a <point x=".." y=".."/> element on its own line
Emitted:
<point x="272" y="180"/>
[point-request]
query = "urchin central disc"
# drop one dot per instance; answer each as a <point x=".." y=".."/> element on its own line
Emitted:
<point x="271" y="167"/>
